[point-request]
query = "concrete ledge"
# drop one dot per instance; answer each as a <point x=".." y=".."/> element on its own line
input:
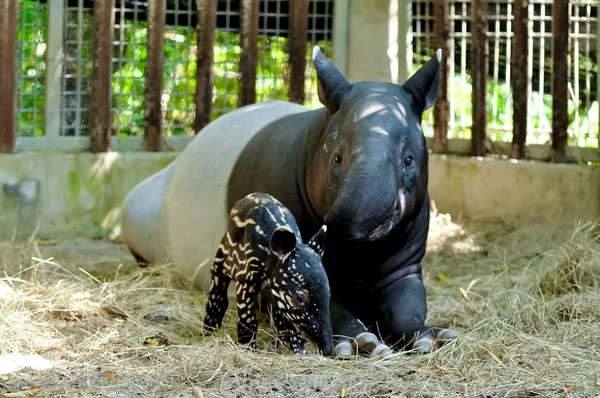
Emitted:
<point x="69" y="195"/>
<point x="503" y="189"/>
<point x="60" y="196"/>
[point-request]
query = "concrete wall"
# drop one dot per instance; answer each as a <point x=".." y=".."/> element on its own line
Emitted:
<point x="79" y="195"/>
<point x="504" y="189"/>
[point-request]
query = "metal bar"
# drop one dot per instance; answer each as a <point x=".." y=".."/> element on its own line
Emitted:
<point x="249" y="11"/>
<point x="8" y="73"/>
<point x="154" y="75"/>
<point x="441" y="28"/>
<point x="297" y="49"/>
<point x="560" y="79"/>
<point x="519" y="78"/>
<point x="101" y="75"/>
<point x="479" y="73"/>
<point x="207" y="18"/>
<point x="54" y="66"/>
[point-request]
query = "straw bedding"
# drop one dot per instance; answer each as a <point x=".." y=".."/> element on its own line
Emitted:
<point x="526" y="299"/>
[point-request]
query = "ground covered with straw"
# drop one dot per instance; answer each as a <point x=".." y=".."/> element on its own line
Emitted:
<point x="526" y="299"/>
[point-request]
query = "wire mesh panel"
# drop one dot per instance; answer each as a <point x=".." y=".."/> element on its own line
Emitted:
<point x="583" y="130"/>
<point x="499" y="91"/>
<point x="77" y="69"/>
<point x="583" y="106"/>
<point x="226" y="60"/>
<point x="273" y="71"/>
<point x="179" y="84"/>
<point x="540" y="69"/>
<point x="31" y="67"/>
<point x="320" y="31"/>
<point x="129" y="64"/>
<point x="423" y="49"/>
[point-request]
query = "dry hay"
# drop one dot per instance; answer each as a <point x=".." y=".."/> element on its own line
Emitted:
<point x="526" y="299"/>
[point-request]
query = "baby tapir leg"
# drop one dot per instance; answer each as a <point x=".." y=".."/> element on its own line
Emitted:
<point x="401" y="313"/>
<point x="288" y="333"/>
<point x="217" y="298"/>
<point x="247" y="294"/>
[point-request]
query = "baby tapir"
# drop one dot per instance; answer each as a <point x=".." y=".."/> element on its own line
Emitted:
<point x="263" y="250"/>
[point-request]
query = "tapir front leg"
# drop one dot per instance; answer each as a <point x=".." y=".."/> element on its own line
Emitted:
<point x="401" y="309"/>
<point x="288" y="333"/>
<point x="351" y="337"/>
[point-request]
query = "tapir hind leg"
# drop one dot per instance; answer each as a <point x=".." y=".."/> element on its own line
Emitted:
<point x="401" y="310"/>
<point x="143" y="223"/>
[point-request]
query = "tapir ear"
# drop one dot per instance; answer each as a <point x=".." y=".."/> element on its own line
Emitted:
<point x="423" y="85"/>
<point x="331" y="84"/>
<point x="317" y="242"/>
<point x="283" y="241"/>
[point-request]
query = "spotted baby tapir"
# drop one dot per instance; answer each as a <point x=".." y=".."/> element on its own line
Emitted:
<point x="263" y="251"/>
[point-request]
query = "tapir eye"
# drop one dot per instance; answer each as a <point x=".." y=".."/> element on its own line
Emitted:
<point x="409" y="161"/>
<point x="299" y="299"/>
<point x="337" y="158"/>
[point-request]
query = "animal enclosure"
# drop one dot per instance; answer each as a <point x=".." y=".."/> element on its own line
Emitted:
<point x="519" y="82"/>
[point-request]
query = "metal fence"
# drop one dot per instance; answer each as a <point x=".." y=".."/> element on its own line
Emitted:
<point x="55" y="39"/>
<point x="129" y="57"/>
<point x="582" y="81"/>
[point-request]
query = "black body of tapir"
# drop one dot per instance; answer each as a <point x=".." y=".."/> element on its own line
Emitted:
<point x="359" y="165"/>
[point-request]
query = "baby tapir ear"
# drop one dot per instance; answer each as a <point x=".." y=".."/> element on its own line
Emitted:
<point x="331" y="84"/>
<point x="283" y="241"/>
<point x="423" y="85"/>
<point x="317" y="242"/>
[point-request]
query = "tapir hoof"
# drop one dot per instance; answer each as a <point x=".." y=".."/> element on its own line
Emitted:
<point x="446" y="335"/>
<point x="423" y="345"/>
<point x="342" y="350"/>
<point x="430" y="341"/>
<point x="382" y="351"/>
<point x="365" y="343"/>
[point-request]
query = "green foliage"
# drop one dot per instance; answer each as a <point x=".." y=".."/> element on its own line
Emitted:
<point x="31" y="68"/>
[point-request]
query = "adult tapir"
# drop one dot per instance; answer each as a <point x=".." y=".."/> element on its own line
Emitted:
<point x="359" y="164"/>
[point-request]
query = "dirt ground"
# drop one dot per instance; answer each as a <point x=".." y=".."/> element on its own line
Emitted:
<point x="526" y="299"/>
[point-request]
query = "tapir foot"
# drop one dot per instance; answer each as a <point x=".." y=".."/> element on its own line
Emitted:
<point x="364" y="344"/>
<point x="433" y="339"/>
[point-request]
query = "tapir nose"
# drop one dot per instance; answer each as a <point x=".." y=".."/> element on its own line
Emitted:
<point x="342" y="230"/>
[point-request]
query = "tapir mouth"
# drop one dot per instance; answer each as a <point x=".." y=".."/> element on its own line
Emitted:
<point x="385" y="227"/>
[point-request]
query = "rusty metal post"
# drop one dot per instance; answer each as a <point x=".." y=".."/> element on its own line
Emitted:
<point x="479" y="69"/>
<point x="297" y="49"/>
<point x="8" y="74"/>
<point x="249" y="11"/>
<point x="205" y="30"/>
<point x="101" y="75"/>
<point x="441" y="111"/>
<point x="154" y="75"/>
<point x="560" y="79"/>
<point x="519" y="78"/>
